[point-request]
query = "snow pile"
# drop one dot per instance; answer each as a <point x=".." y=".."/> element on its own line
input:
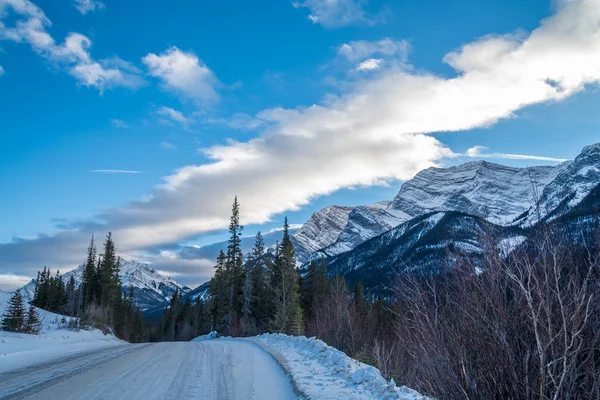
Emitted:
<point x="20" y="350"/>
<point x="208" y="336"/>
<point x="323" y="372"/>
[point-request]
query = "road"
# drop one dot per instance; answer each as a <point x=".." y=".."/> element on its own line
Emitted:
<point x="214" y="369"/>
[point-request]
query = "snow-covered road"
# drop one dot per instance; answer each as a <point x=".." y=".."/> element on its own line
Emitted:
<point x="214" y="369"/>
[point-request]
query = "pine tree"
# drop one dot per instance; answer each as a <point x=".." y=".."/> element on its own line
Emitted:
<point x="217" y="291"/>
<point x="284" y="284"/>
<point x="58" y="296"/>
<point x="32" y="325"/>
<point x="89" y="281"/>
<point x="234" y="269"/>
<point x="259" y="306"/>
<point x="14" y="317"/>
<point x="72" y="297"/>
<point x="109" y="285"/>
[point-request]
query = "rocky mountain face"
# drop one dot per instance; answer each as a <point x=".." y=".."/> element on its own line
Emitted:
<point x="498" y="193"/>
<point x="149" y="286"/>
<point x="441" y="209"/>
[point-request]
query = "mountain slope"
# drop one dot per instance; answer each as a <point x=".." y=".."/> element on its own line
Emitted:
<point x="422" y="244"/>
<point x="495" y="192"/>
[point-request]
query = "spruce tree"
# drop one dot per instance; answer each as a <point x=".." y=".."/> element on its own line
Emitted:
<point x="284" y="284"/>
<point x="217" y="291"/>
<point x="107" y="275"/>
<point x="32" y="325"/>
<point x="14" y="317"/>
<point x="234" y="269"/>
<point x="89" y="281"/>
<point x="259" y="307"/>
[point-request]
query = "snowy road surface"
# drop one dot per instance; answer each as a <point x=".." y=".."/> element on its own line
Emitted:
<point x="215" y="369"/>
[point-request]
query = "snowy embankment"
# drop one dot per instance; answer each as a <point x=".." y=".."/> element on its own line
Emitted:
<point x="20" y="350"/>
<point x="320" y="371"/>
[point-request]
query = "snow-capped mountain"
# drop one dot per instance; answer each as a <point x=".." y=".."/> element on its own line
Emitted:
<point x="575" y="181"/>
<point x="321" y="230"/>
<point x="503" y="196"/>
<point x="150" y="287"/>
<point x="340" y="229"/>
<point x="495" y="192"/>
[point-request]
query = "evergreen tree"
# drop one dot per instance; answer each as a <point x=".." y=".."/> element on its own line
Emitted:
<point x="72" y="297"/>
<point x="32" y="325"/>
<point x="284" y="284"/>
<point x="14" y="317"/>
<point x="234" y="268"/>
<point x="109" y="285"/>
<point x="217" y="291"/>
<point x="259" y="306"/>
<point x="57" y="295"/>
<point x="89" y="281"/>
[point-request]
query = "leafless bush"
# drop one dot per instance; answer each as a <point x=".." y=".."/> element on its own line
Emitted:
<point x="527" y="327"/>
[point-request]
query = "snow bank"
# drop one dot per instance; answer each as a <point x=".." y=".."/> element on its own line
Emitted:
<point x="323" y="372"/>
<point x="20" y="350"/>
<point x="209" y="336"/>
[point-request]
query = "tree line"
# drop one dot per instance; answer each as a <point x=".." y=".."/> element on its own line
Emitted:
<point x="99" y="302"/>
<point x="522" y="326"/>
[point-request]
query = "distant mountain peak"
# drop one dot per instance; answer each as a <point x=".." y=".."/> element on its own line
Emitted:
<point x="150" y="287"/>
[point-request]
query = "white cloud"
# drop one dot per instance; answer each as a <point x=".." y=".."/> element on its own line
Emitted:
<point x="369" y="65"/>
<point x="359" y="50"/>
<point x="238" y="121"/>
<point x="115" y="171"/>
<point x="1" y="70"/>
<point x="377" y="130"/>
<point x="168" y="146"/>
<point x="337" y="13"/>
<point x="85" y="6"/>
<point x="72" y="55"/>
<point x="480" y="152"/>
<point x="9" y="282"/>
<point x="119" y="123"/>
<point x="184" y="74"/>
<point x="176" y="116"/>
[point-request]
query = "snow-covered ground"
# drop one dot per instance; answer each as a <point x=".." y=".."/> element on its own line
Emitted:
<point x="19" y="350"/>
<point x="322" y="372"/>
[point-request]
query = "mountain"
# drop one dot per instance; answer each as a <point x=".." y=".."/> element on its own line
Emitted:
<point x="446" y="209"/>
<point x="150" y="288"/>
<point x="341" y="229"/>
<point x="421" y="244"/>
<point x="498" y="193"/>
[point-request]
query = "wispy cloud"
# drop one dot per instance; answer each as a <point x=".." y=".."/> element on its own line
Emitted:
<point x="481" y="152"/>
<point x="1" y="70"/>
<point x="184" y="74"/>
<point x="338" y="13"/>
<point x="72" y="55"/>
<point x="238" y="121"/>
<point x="85" y="6"/>
<point x="168" y="146"/>
<point x="119" y="123"/>
<point x="369" y="65"/>
<point x="115" y="171"/>
<point x="175" y="116"/>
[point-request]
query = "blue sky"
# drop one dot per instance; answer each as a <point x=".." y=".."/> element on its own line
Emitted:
<point x="147" y="120"/>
